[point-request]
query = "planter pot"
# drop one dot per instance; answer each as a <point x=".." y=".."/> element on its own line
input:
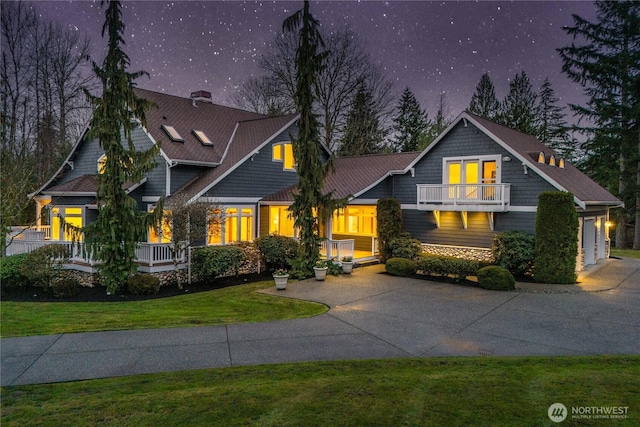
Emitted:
<point x="321" y="272"/>
<point x="281" y="281"/>
<point x="347" y="267"/>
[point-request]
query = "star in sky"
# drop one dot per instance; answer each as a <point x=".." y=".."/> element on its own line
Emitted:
<point x="431" y="47"/>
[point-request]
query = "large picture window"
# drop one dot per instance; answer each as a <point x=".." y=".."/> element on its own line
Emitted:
<point x="359" y="220"/>
<point x="71" y="215"/>
<point x="281" y="221"/>
<point x="236" y="227"/>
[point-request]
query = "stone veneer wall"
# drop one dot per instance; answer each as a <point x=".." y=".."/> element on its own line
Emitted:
<point x="478" y="254"/>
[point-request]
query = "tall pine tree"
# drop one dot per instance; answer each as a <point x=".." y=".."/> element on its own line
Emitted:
<point x="310" y="207"/>
<point x="410" y="123"/>
<point x="484" y="102"/>
<point x="553" y="130"/>
<point x="436" y="126"/>
<point x="362" y="132"/>
<point x="113" y="237"/>
<point x="519" y="110"/>
<point x="607" y="64"/>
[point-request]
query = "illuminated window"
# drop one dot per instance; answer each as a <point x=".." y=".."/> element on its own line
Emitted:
<point x="277" y="153"/>
<point x="102" y="164"/>
<point x="552" y="160"/>
<point x="165" y="232"/>
<point x="360" y="220"/>
<point x="471" y="177"/>
<point x="541" y="157"/>
<point x="71" y="216"/>
<point x="236" y="227"/>
<point x="203" y="138"/>
<point x="172" y="133"/>
<point x="284" y="153"/>
<point x="281" y="221"/>
<point x="561" y="163"/>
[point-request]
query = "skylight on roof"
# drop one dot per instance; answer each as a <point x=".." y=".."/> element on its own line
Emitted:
<point x="172" y="133"/>
<point x="202" y="137"/>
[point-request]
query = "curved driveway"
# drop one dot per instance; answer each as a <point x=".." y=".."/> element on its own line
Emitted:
<point x="371" y="315"/>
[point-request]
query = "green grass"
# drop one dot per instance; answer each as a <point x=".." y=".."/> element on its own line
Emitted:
<point x="398" y="392"/>
<point x="236" y="304"/>
<point x="629" y="253"/>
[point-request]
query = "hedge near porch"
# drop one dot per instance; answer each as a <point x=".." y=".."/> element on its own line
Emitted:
<point x="556" y="238"/>
<point x="389" y="217"/>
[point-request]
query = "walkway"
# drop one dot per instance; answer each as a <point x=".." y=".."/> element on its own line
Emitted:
<point x="372" y="315"/>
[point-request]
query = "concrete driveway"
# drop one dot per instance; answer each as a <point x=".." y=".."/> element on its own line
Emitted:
<point x="372" y="315"/>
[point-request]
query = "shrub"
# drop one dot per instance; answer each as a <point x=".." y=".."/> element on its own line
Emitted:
<point x="514" y="251"/>
<point x="143" y="284"/>
<point x="556" y="238"/>
<point x="400" y="267"/>
<point x="496" y="278"/>
<point x="439" y="265"/>
<point x="389" y="217"/>
<point x="405" y="247"/>
<point x="277" y="251"/>
<point x="65" y="287"/>
<point x="11" y="273"/>
<point x="43" y="265"/>
<point x="214" y="261"/>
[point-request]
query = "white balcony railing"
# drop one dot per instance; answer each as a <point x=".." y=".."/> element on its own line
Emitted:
<point x="337" y="248"/>
<point x="464" y="197"/>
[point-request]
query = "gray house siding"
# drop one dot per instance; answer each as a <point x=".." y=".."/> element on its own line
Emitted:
<point x="256" y="177"/>
<point x="422" y="226"/>
<point x="517" y="221"/>
<point x="181" y="174"/>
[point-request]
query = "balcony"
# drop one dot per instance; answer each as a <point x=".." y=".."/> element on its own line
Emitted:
<point x="464" y="197"/>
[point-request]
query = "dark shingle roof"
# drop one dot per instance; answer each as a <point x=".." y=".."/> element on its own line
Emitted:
<point x="85" y="184"/>
<point x="355" y="175"/>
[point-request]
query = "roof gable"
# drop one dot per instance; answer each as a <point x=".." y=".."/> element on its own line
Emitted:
<point x="526" y="149"/>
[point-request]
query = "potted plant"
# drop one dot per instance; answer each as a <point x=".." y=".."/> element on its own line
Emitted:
<point x="280" y="276"/>
<point x="347" y="264"/>
<point x="320" y="269"/>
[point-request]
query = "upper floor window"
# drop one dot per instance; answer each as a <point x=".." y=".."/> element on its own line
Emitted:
<point x="102" y="164"/>
<point x="471" y="170"/>
<point x="283" y="152"/>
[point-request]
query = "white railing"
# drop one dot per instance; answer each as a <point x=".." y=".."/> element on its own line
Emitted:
<point x="337" y="248"/>
<point x="147" y="254"/>
<point x="464" y="197"/>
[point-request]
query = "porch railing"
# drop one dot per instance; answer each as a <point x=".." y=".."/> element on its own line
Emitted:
<point x="464" y="197"/>
<point x="337" y="248"/>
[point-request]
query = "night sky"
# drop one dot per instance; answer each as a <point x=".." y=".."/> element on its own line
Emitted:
<point x="432" y="47"/>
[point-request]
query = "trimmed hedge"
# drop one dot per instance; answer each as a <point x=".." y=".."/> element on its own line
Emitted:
<point x="439" y="265"/>
<point x="389" y="217"/>
<point x="11" y="273"/>
<point x="400" y="267"/>
<point x="514" y="251"/>
<point x="143" y="284"/>
<point x="214" y="261"/>
<point x="277" y="251"/>
<point x="556" y="238"/>
<point x="405" y="247"/>
<point x="496" y="278"/>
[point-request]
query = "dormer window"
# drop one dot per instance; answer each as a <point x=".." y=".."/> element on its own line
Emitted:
<point x="541" y="158"/>
<point x="552" y="160"/>
<point x="202" y="138"/>
<point x="561" y="163"/>
<point x="172" y="133"/>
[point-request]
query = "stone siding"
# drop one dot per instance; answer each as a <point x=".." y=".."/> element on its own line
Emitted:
<point x="478" y="254"/>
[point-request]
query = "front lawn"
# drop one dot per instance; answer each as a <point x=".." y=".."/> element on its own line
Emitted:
<point x="234" y="304"/>
<point x="629" y="253"/>
<point x="474" y="391"/>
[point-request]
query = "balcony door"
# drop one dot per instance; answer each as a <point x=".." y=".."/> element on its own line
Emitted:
<point x="465" y="175"/>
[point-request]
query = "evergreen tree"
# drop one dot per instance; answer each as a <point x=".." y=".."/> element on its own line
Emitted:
<point x="553" y="131"/>
<point x="438" y="125"/>
<point x="607" y="65"/>
<point x="519" y="109"/>
<point x="113" y="237"/>
<point x="410" y="123"/>
<point x="484" y="102"/>
<point x="310" y="207"/>
<point x="362" y="133"/>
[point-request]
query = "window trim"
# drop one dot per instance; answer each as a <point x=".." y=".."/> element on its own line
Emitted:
<point x="239" y="215"/>
<point x="480" y="159"/>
